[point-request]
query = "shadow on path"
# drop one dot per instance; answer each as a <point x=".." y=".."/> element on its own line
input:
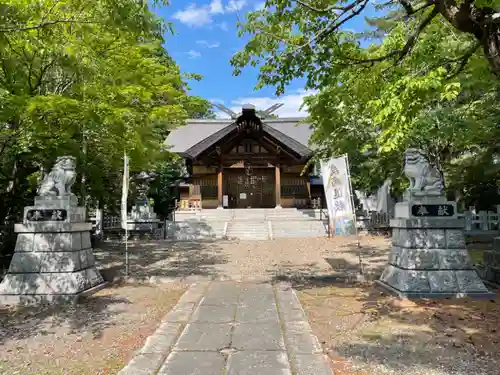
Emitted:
<point x="160" y="258"/>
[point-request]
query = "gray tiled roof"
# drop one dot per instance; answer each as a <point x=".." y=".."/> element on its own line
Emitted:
<point x="195" y="131"/>
<point x="288" y="126"/>
<point x="184" y="137"/>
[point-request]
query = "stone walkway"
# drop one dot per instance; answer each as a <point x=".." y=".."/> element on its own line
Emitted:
<point x="233" y="328"/>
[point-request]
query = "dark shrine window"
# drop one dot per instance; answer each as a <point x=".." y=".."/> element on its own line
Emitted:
<point x="294" y="191"/>
<point x="209" y="192"/>
<point x="293" y="188"/>
<point x="206" y="187"/>
<point x="196" y="190"/>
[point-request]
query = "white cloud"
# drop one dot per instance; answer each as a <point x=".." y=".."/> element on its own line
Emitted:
<point x="216" y="7"/>
<point x="194" y="16"/>
<point x="223" y="26"/>
<point x="235" y="5"/>
<point x="193" y="54"/>
<point x="208" y="44"/>
<point x="292" y="103"/>
<point x="201" y="15"/>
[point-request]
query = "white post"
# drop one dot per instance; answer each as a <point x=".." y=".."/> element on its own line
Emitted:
<point x="124" y="218"/>
<point x="99" y="216"/>
<point x="468" y="220"/>
<point x="483" y="217"/>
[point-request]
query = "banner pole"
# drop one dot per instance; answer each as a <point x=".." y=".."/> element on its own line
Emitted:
<point x="354" y="214"/>
<point x="124" y="208"/>
<point x="126" y="251"/>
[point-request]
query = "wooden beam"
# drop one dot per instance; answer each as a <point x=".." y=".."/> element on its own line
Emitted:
<point x="278" y="185"/>
<point x="284" y="148"/>
<point x="219" y="185"/>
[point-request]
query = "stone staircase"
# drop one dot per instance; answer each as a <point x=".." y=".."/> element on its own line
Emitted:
<point x="247" y="230"/>
<point x="299" y="228"/>
<point x="195" y="229"/>
<point x="247" y="224"/>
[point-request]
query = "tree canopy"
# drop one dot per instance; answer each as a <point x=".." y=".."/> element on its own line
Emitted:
<point x="301" y="36"/>
<point x="89" y="79"/>
<point x="438" y="93"/>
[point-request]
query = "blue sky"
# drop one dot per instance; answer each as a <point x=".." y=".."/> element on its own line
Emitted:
<point x="206" y="38"/>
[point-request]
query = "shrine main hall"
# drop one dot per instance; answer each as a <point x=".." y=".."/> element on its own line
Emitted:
<point x="246" y="162"/>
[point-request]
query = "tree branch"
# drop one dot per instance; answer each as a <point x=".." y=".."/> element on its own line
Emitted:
<point x="42" y="25"/>
<point x="407" y="6"/>
<point x="40" y="78"/>
<point x="328" y="9"/>
<point x="410" y="10"/>
<point x="463" y="60"/>
<point x="410" y="43"/>
<point x="334" y="24"/>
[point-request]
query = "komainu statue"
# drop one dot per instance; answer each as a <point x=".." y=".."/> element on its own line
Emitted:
<point x="425" y="180"/>
<point x="60" y="179"/>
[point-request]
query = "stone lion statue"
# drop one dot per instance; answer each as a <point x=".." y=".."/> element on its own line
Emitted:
<point x="424" y="179"/>
<point x="60" y="179"/>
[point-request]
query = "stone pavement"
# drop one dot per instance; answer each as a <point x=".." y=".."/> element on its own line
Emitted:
<point x="233" y="328"/>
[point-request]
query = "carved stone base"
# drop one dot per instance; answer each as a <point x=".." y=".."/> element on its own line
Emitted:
<point x="429" y="259"/>
<point x="142" y="218"/>
<point x="143" y="226"/>
<point x="53" y="261"/>
<point x="433" y="283"/>
<point x="492" y="262"/>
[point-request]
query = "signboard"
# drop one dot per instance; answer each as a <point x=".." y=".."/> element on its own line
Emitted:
<point x="225" y="201"/>
<point x="337" y="185"/>
<point x="46" y="215"/>
<point x="432" y="210"/>
<point x="243" y="195"/>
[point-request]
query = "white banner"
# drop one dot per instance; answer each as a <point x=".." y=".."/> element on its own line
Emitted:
<point x="337" y="184"/>
<point x="125" y="192"/>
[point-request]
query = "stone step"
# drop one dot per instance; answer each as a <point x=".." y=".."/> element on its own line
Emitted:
<point x="294" y="228"/>
<point x="298" y="235"/>
<point x="248" y="230"/>
<point x="195" y="230"/>
<point x="248" y="224"/>
<point x="246" y="215"/>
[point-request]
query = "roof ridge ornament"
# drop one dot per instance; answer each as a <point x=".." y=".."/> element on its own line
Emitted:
<point x="271" y="109"/>
<point x="226" y="110"/>
<point x="248" y="121"/>
<point x="246" y="107"/>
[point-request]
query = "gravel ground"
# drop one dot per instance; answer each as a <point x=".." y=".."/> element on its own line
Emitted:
<point x="365" y="332"/>
<point x="294" y="258"/>
<point x="96" y="337"/>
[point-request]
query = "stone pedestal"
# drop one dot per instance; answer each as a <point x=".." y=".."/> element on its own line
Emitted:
<point x="492" y="262"/>
<point x="53" y="259"/>
<point x="429" y="258"/>
<point x="142" y="218"/>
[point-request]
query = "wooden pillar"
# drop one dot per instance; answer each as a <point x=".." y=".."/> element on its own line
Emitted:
<point x="219" y="186"/>
<point x="278" y="185"/>
<point x="308" y="184"/>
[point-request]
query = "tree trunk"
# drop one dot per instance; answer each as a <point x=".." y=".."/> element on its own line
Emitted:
<point x="479" y="22"/>
<point x="491" y="48"/>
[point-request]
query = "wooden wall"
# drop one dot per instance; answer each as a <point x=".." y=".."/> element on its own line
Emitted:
<point x="295" y="189"/>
